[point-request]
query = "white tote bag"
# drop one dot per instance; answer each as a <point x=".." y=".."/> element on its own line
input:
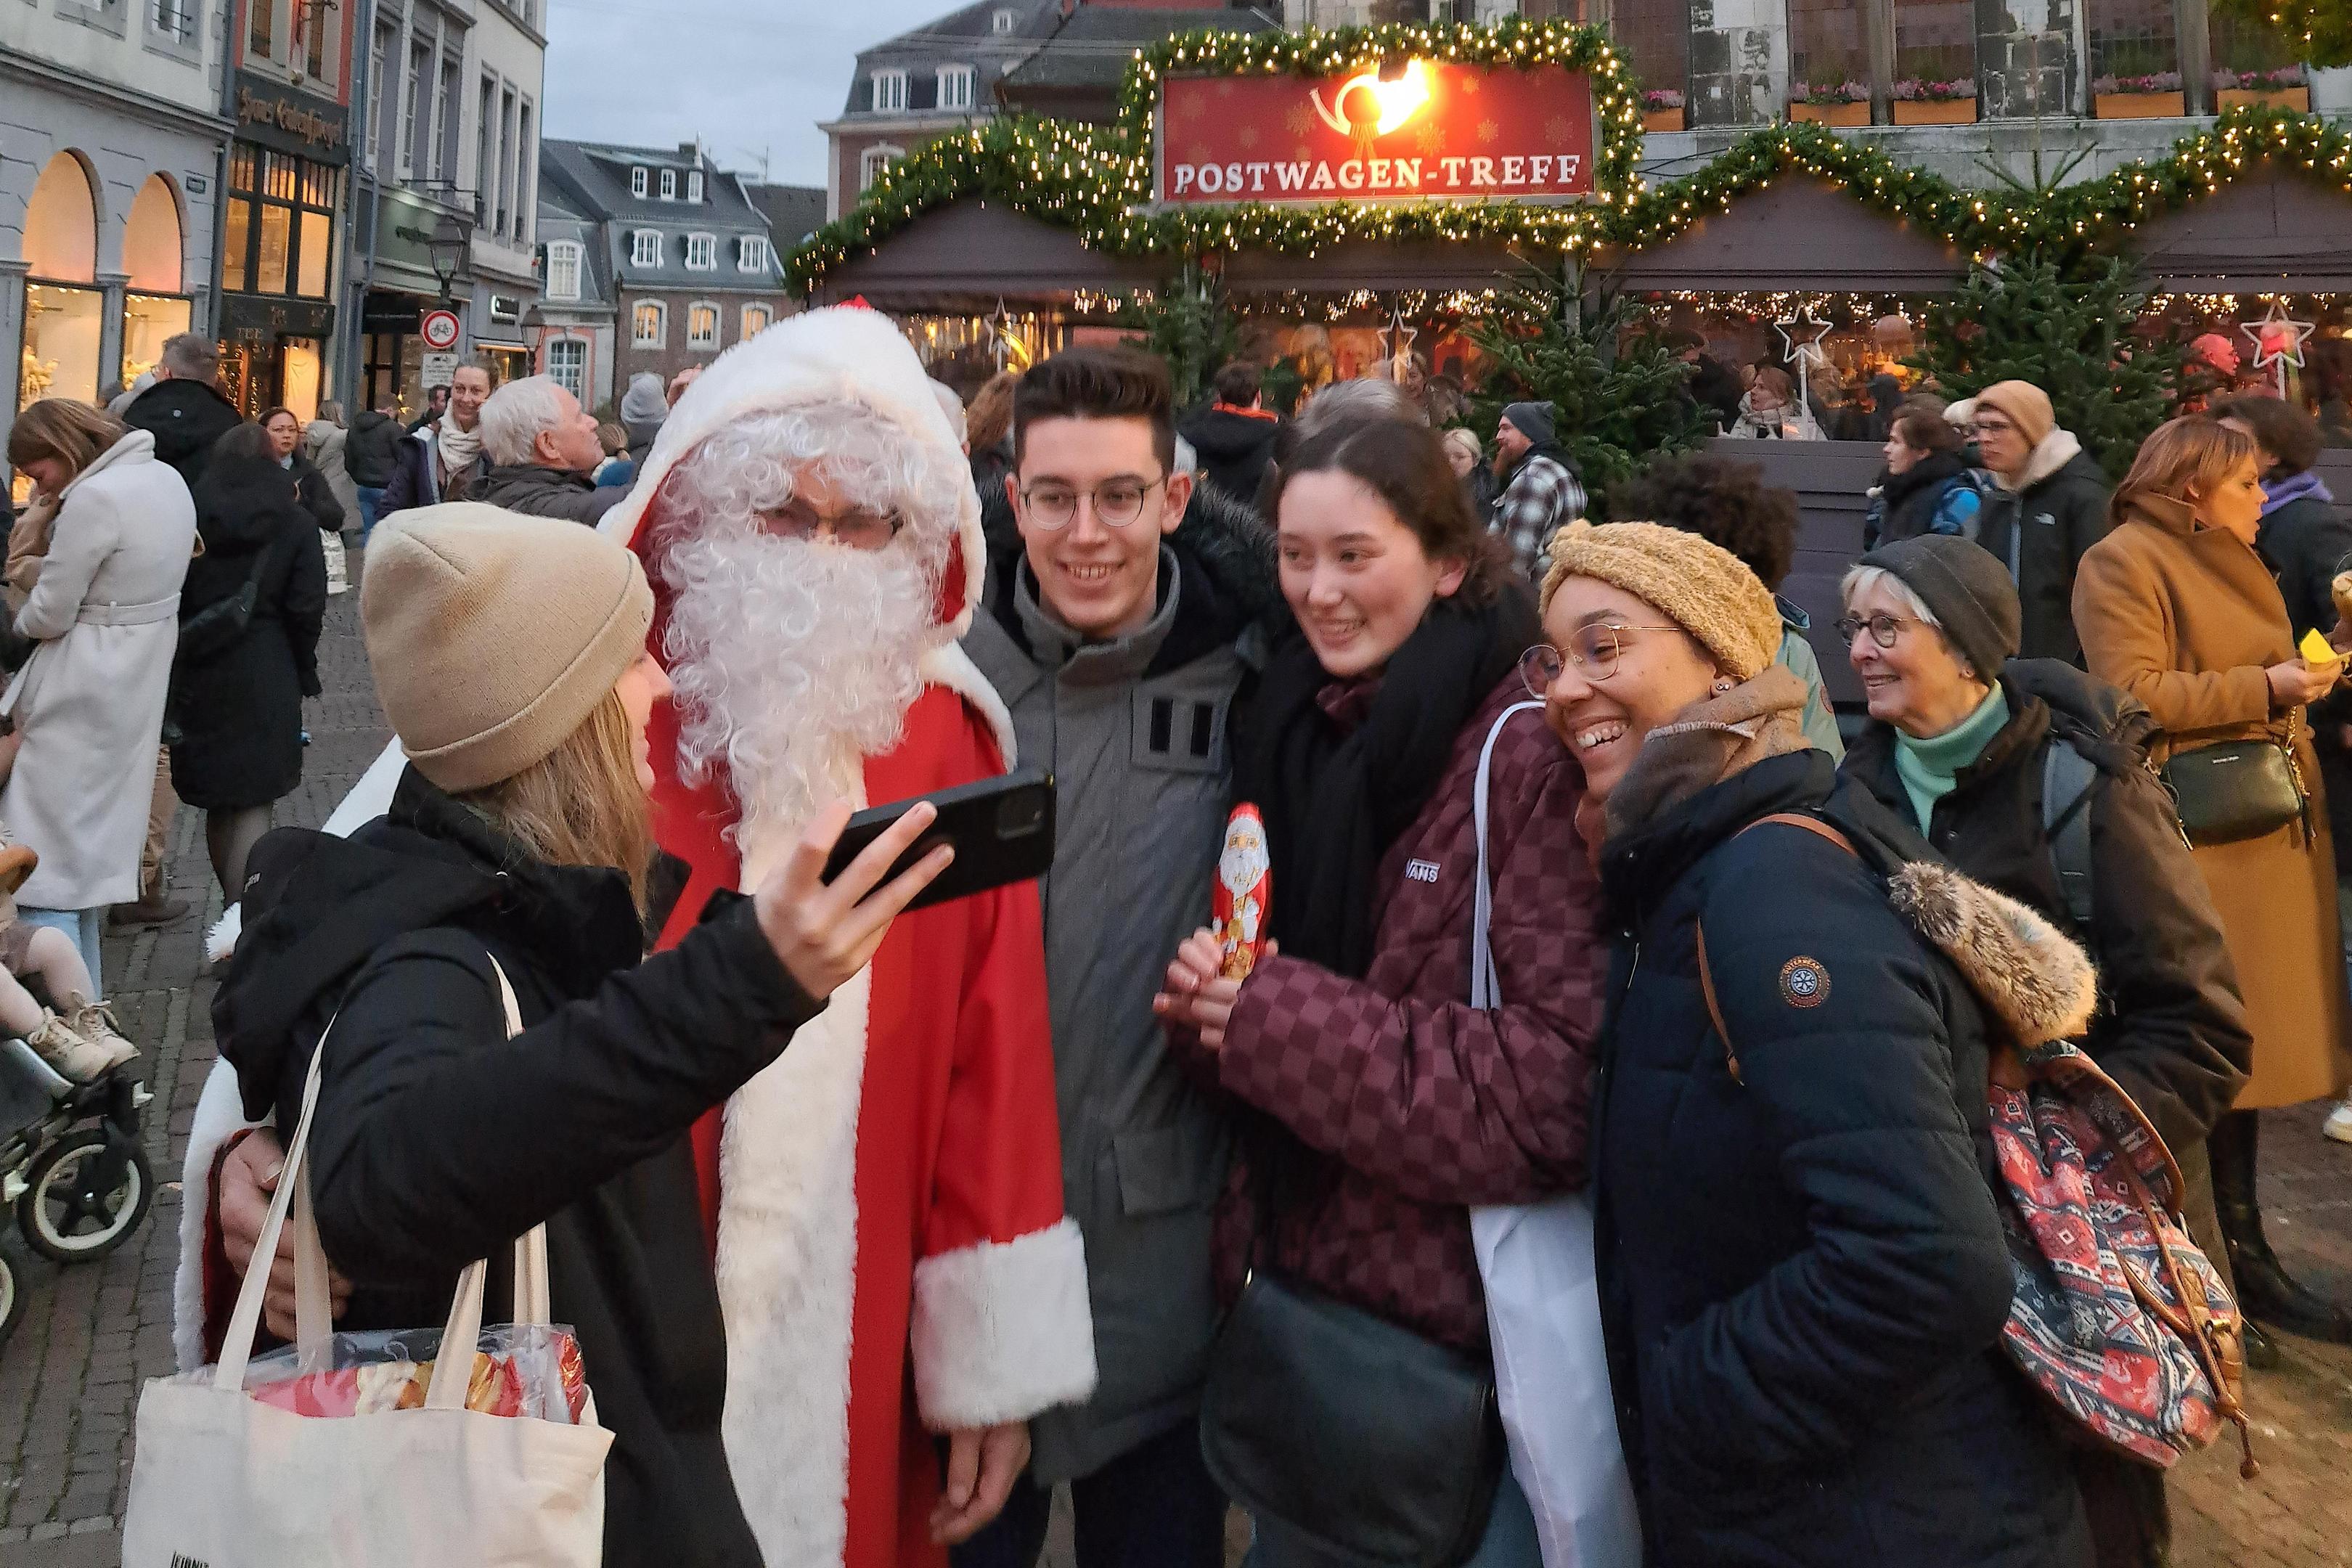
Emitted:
<point x="1543" y="1316"/>
<point x="222" y="1478"/>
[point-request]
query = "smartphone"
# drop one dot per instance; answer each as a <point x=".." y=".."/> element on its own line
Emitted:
<point x="1003" y="830"/>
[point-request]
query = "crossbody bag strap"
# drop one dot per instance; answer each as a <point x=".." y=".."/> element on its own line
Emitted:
<point x="1486" y="983"/>
<point x="1812" y="824"/>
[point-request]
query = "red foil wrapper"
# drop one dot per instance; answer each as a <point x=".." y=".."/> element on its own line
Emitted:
<point x="1245" y="892"/>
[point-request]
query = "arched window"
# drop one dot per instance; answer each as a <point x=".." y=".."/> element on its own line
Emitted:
<point x="702" y="325"/>
<point x="64" y="312"/>
<point x="61" y="224"/>
<point x="154" y="308"/>
<point x="649" y="325"/>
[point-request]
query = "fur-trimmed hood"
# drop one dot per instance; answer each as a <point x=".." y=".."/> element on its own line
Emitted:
<point x="2036" y="983"/>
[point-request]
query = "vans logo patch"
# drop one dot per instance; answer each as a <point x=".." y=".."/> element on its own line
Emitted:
<point x="1804" y="982"/>
<point x="1421" y="870"/>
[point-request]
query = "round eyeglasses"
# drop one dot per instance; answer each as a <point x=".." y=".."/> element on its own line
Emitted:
<point x="1116" y="502"/>
<point x="1594" y="650"/>
<point x="1885" y="630"/>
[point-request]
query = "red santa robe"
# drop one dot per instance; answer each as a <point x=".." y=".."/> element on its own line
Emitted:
<point x="893" y="1255"/>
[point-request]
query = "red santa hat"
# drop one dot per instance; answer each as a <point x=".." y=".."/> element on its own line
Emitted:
<point x="836" y="355"/>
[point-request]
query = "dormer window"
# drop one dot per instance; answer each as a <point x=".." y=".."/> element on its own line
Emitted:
<point x="751" y="255"/>
<point x="637" y="184"/>
<point x="693" y="185"/>
<point x="889" y="91"/>
<point x="1003" y="22"/>
<point x="645" y="247"/>
<point x="702" y="253"/>
<point x="955" y="87"/>
<point x="670" y="185"/>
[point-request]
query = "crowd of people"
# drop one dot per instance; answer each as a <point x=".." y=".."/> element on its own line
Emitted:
<point x="877" y="1220"/>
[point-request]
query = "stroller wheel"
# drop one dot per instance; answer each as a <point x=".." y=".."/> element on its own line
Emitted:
<point x="60" y="1214"/>
<point x="11" y="1300"/>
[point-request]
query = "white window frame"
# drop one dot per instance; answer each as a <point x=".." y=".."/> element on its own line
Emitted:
<point x="1004" y="21"/>
<point x="564" y="259"/>
<point x="572" y="378"/>
<point x="645" y="247"/>
<point x="702" y="345"/>
<point x="660" y="339"/>
<point x="638" y="183"/>
<point x="670" y="185"/>
<point x="960" y="79"/>
<point x="693" y="185"/>
<point x="870" y="163"/>
<point x="890" y="92"/>
<point x="702" y="253"/>
<point x="767" y="319"/>
<point x="751" y="254"/>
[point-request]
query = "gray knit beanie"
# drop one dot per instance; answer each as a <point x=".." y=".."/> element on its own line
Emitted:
<point x="1533" y="420"/>
<point x="1965" y="588"/>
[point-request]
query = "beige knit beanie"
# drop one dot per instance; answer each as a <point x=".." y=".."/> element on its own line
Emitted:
<point x="492" y="636"/>
<point x="2026" y="406"/>
<point x="1702" y="587"/>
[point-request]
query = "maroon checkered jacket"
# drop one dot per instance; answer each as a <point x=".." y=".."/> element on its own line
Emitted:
<point x="1415" y="1105"/>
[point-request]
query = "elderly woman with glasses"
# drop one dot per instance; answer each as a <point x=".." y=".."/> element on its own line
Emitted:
<point x="1386" y="1102"/>
<point x="1802" y="1273"/>
<point x="2033" y="778"/>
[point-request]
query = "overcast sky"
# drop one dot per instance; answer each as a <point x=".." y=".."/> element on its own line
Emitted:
<point x="746" y="78"/>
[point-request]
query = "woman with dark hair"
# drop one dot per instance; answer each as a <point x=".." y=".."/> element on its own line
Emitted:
<point x="1385" y="1103"/>
<point x="1927" y="486"/>
<point x="249" y="621"/>
<point x="2176" y="606"/>
<point x="284" y="427"/>
<point x="2331" y="389"/>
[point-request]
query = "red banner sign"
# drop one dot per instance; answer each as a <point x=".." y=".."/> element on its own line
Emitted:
<point x="1418" y="129"/>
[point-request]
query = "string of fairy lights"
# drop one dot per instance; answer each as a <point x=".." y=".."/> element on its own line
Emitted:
<point x="1096" y="180"/>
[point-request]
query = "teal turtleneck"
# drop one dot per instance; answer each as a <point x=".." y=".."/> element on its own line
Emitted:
<point x="1929" y="767"/>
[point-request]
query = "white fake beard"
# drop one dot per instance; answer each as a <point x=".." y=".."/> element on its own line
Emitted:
<point x="792" y="662"/>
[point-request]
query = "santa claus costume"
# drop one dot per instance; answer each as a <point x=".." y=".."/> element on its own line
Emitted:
<point x="892" y="1253"/>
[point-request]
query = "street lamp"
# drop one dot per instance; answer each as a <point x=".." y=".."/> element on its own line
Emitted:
<point x="446" y="246"/>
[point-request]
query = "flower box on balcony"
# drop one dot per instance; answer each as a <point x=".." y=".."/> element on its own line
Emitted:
<point x="2297" y="98"/>
<point x="2141" y="105"/>
<point x="1935" y="112"/>
<point x="1832" y="113"/>
<point x="1661" y="119"/>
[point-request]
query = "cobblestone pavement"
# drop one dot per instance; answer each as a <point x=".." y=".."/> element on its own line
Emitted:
<point x="69" y="1377"/>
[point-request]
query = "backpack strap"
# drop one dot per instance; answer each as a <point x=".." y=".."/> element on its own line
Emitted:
<point x="1813" y="825"/>
<point x="2067" y="777"/>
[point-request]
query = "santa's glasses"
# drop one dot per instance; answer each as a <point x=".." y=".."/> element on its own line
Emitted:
<point x="857" y="528"/>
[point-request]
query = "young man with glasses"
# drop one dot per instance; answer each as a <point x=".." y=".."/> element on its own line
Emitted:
<point x="2052" y="506"/>
<point x="1116" y="634"/>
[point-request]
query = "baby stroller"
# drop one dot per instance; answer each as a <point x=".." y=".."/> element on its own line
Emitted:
<point x="70" y="1163"/>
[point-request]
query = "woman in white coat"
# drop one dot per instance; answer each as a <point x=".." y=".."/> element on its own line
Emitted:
<point x="89" y="706"/>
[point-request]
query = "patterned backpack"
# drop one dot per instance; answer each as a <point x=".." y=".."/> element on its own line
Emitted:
<point x="2118" y="1316"/>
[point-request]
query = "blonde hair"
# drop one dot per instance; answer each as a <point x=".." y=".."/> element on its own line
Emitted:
<point x="1465" y="441"/>
<point x="74" y="433"/>
<point x="2188" y="455"/>
<point x="581" y="805"/>
<point x="989" y="418"/>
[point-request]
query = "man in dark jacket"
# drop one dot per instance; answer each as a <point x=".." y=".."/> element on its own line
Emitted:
<point x="1714" y="385"/>
<point x="181" y="410"/>
<point x="440" y="460"/>
<point x="436" y="404"/>
<point x="1539" y="492"/>
<point x="1144" y="1149"/>
<point x="2051" y="508"/>
<point x="370" y="453"/>
<point x="543" y="452"/>
<point x="1234" y="436"/>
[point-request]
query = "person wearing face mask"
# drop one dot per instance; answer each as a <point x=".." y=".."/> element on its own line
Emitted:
<point x="2178" y="608"/>
<point x="1927" y="487"/>
<point x="1803" y="1277"/>
<point x="1380" y="1102"/>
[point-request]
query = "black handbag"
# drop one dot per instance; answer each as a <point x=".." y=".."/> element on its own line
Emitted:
<point x="1381" y="1447"/>
<point x="2237" y="790"/>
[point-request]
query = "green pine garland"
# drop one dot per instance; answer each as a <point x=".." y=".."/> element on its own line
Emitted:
<point x="2322" y="26"/>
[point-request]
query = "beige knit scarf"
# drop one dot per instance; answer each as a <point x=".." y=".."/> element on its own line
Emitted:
<point x="1709" y="742"/>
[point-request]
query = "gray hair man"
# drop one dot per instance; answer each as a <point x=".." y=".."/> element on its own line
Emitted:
<point x="181" y="409"/>
<point x="542" y="454"/>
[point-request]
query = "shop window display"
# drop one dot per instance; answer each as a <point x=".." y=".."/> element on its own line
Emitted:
<point x="58" y="352"/>
<point x="147" y="320"/>
<point x="279" y="233"/>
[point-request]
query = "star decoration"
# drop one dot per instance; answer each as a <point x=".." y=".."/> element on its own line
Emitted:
<point x="1802" y="335"/>
<point x="1396" y="344"/>
<point x="1002" y="343"/>
<point x="2277" y="337"/>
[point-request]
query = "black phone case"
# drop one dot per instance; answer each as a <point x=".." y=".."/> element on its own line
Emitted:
<point x="1003" y="830"/>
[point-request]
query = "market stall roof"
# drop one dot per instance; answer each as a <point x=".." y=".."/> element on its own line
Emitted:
<point x="1384" y="268"/>
<point x="1793" y="234"/>
<point x="2267" y="230"/>
<point x="972" y="252"/>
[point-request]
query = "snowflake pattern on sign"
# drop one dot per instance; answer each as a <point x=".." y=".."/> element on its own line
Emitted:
<point x="2088" y="1201"/>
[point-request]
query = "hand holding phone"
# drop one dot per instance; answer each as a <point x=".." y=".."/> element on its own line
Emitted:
<point x="823" y="931"/>
<point x="1001" y="828"/>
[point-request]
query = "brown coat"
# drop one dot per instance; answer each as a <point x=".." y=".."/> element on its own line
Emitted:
<point x="2187" y="619"/>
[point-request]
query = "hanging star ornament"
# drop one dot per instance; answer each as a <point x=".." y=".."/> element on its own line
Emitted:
<point x="1802" y="335"/>
<point x="2277" y="337"/>
<point x="1396" y="345"/>
<point x="1002" y="343"/>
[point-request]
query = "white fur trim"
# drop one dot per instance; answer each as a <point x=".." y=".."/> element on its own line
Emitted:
<point x="1002" y="1330"/>
<point x="952" y="668"/>
<point x="219" y="1113"/>
<point x="838" y="355"/>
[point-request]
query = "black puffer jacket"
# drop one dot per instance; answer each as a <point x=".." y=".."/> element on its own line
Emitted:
<point x="1802" y="1272"/>
<point x="317" y="495"/>
<point x="236" y="694"/>
<point x="2171" y="1026"/>
<point x="438" y="1141"/>
<point x="536" y="492"/>
<point x="2039" y="531"/>
<point x="373" y="449"/>
<point x="1907" y="502"/>
<point x="187" y="418"/>
<point x="2307" y="541"/>
<point x="1233" y="448"/>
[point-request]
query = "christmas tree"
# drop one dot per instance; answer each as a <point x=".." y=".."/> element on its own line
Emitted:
<point x="1186" y="323"/>
<point x="1621" y="397"/>
<point x="2070" y="331"/>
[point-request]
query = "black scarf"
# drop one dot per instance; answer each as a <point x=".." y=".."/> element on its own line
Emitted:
<point x="1336" y="798"/>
